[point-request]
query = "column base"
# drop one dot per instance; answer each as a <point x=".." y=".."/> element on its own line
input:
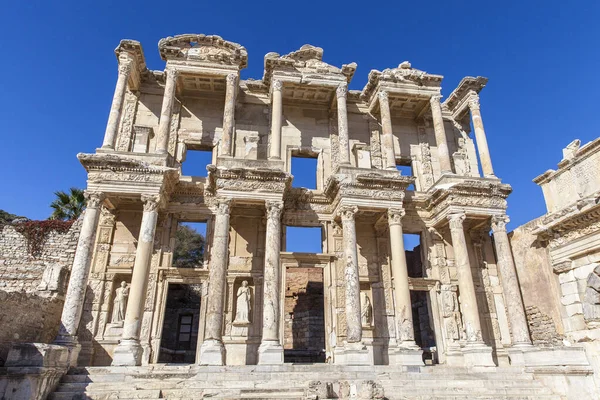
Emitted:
<point x="72" y="345"/>
<point x="516" y="353"/>
<point x="270" y="353"/>
<point x="353" y="354"/>
<point x="212" y="352"/>
<point x="128" y="353"/>
<point x="478" y="355"/>
<point x="406" y="355"/>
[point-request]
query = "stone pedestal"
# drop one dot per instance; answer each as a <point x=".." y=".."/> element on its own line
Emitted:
<point x="270" y="352"/>
<point x="212" y="352"/>
<point x="406" y="356"/>
<point x="353" y="354"/>
<point x="478" y="355"/>
<point x="128" y="352"/>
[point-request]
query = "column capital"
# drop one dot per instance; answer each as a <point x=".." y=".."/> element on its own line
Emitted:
<point x="342" y="90"/>
<point x="223" y="206"/>
<point x="383" y="95"/>
<point x="274" y="208"/>
<point x="456" y="220"/>
<point x="125" y="67"/>
<point x="231" y="79"/>
<point x="276" y="85"/>
<point x="473" y="101"/>
<point x="151" y="202"/>
<point x="94" y="199"/>
<point x="395" y="216"/>
<point x="347" y="212"/>
<point x="499" y="223"/>
<point x="171" y="73"/>
<point x="435" y="99"/>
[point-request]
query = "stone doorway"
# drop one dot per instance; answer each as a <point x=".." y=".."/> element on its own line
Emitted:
<point x="180" y="327"/>
<point x="304" y="315"/>
<point x="423" y="325"/>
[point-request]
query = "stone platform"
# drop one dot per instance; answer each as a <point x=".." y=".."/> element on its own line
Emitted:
<point x="300" y="382"/>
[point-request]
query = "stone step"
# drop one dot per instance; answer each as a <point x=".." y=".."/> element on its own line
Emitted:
<point x="106" y="395"/>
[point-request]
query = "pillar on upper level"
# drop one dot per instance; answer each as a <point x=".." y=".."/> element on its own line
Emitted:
<point x="343" y="136"/>
<point x="164" y="126"/>
<point x="407" y="352"/>
<point x="212" y="351"/>
<point x="112" y="126"/>
<point x="476" y="353"/>
<point x="510" y="283"/>
<point x="276" y="118"/>
<point x="440" y="135"/>
<point x="129" y="351"/>
<point x="80" y="271"/>
<point x="271" y="350"/>
<point x="482" y="146"/>
<point x="387" y="145"/>
<point x="229" y="115"/>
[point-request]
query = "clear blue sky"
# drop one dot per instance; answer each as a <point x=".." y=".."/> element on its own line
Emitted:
<point x="59" y="72"/>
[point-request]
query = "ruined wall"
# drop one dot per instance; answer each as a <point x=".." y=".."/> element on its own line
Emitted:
<point x="32" y="289"/>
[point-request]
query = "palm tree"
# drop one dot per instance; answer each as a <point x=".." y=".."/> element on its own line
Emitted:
<point x="68" y="206"/>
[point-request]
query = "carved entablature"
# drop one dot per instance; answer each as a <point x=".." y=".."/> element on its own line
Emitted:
<point x="188" y="193"/>
<point x="560" y="232"/>
<point x="369" y="186"/>
<point x="199" y="49"/>
<point x="302" y="199"/>
<point x="243" y="180"/>
<point x="131" y="56"/>
<point x="458" y="101"/>
<point x="127" y="176"/>
<point x="474" y="197"/>
<point x="304" y="65"/>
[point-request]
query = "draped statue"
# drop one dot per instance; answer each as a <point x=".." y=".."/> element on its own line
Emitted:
<point x="120" y="303"/>
<point x="242" y="309"/>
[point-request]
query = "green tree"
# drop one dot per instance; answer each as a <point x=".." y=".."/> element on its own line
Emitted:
<point x="68" y="206"/>
<point x="6" y="217"/>
<point x="189" y="248"/>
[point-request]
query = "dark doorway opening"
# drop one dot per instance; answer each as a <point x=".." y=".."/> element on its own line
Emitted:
<point x="304" y="324"/>
<point x="422" y="325"/>
<point x="180" y="327"/>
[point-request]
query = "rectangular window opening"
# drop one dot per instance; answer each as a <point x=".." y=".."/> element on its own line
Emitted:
<point x="303" y="239"/>
<point x="412" y="249"/>
<point x="304" y="171"/>
<point x="405" y="169"/>
<point x="196" y="160"/>
<point x="190" y="243"/>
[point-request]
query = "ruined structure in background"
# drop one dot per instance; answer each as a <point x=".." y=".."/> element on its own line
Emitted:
<point x="391" y="159"/>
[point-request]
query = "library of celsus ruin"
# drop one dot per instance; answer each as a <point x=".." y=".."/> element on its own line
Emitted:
<point x="392" y="160"/>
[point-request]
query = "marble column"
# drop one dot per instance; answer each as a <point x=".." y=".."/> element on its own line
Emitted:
<point x="342" y="111"/>
<point x="129" y="351"/>
<point x="440" y="135"/>
<point x="212" y="351"/>
<point x="229" y="115"/>
<point x="276" y="118"/>
<point x="164" y="126"/>
<point x="353" y="315"/>
<point x="475" y="353"/>
<point x="482" y="146"/>
<point x="80" y="271"/>
<point x="270" y="350"/>
<point x="510" y="283"/>
<point x="468" y="297"/>
<point x="387" y="137"/>
<point x="112" y="126"/>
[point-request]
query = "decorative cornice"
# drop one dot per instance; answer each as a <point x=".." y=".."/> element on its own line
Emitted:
<point x="455" y="101"/>
<point x="203" y="48"/>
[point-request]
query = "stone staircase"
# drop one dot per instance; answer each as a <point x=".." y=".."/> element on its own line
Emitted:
<point x="293" y="382"/>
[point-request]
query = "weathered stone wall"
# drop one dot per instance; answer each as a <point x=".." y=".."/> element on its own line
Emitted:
<point x="29" y="313"/>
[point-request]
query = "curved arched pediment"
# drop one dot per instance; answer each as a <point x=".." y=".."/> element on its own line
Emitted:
<point x="203" y="48"/>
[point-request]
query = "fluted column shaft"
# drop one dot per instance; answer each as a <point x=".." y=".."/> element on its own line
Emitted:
<point x="468" y="297"/>
<point x="112" y="126"/>
<point x="404" y="319"/>
<point x="343" y="136"/>
<point x="229" y="115"/>
<point x="353" y="315"/>
<point x="440" y="135"/>
<point x="72" y="309"/>
<point x="271" y="351"/>
<point x="276" y="117"/>
<point x="387" y="137"/>
<point x="482" y="146"/>
<point x="510" y="283"/>
<point x="166" y="112"/>
<point x="129" y="350"/>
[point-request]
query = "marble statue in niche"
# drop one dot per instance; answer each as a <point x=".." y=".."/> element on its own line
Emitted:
<point x="120" y="303"/>
<point x="366" y="309"/>
<point x="243" y="308"/>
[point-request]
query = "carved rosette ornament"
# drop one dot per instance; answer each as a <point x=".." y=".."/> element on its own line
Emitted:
<point x="395" y="216"/>
<point x="456" y="221"/>
<point x="499" y="223"/>
<point x="94" y="199"/>
<point x="342" y="90"/>
<point x="151" y="202"/>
